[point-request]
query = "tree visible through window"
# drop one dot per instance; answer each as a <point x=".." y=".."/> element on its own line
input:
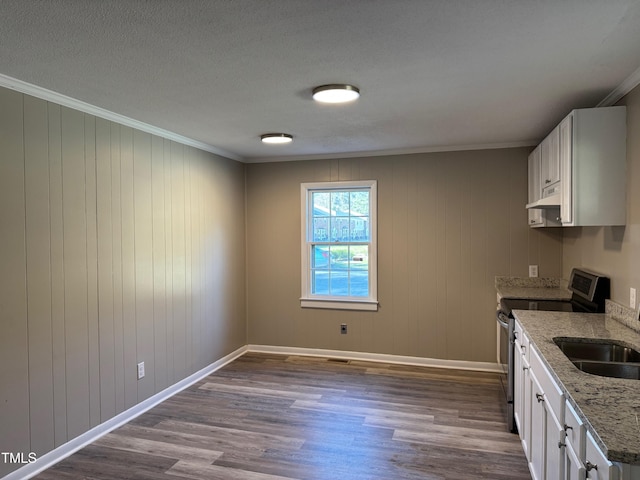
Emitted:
<point x="339" y="244"/>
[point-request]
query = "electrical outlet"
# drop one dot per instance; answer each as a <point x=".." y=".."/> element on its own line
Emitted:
<point x="140" y="370"/>
<point x="533" y="270"/>
<point x="343" y="328"/>
<point x="632" y="298"/>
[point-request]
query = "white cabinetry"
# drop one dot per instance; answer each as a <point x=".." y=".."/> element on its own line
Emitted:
<point x="535" y="214"/>
<point x="550" y="162"/>
<point x="547" y="415"/>
<point x="593" y="161"/>
<point x="584" y="172"/>
<point x="554" y="438"/>
<point x="548" y="217"/>
<point x="574" y="445"/>
<point x="596" y="464"/>
<point x="522" y="389"/>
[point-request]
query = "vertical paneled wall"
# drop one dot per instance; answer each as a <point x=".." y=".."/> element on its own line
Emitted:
<point x="117" y="247"/>
<point x="448" y="223"/>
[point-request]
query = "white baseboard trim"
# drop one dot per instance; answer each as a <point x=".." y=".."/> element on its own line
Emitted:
<point x="379" y="357"/>
<point x="63" y="451"/>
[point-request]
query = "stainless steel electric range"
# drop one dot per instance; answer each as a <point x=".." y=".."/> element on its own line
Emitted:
<point x="589" y="291"/>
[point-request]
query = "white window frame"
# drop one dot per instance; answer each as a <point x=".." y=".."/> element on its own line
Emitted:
<point x="309" y="300"/>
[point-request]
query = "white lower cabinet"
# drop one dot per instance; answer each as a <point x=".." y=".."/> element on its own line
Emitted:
<point x="574" y="445"/>
<point x="554" y="447"/>
<point x="546" y="460"/>
<point x="538" y="430"/>
<point x="596" y="464"/>
<point x="574" y="469"/>
<point x="554" y="438"/>
<point x="522" y="387"/>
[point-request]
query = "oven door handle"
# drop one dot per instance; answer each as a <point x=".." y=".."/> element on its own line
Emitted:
<point x="502" y="319"/>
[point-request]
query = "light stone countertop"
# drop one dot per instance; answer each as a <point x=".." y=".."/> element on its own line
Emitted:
<point x="610" y="407"/>
<point x="532" y="288"/>
<point x="535" y="293"/>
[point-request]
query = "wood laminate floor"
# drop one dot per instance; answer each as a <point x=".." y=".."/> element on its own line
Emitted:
<point x="268" y="417"/>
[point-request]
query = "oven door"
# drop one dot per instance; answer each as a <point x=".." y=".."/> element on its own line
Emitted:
<point x="507" y="324"/>
<point x="503" y="340"/>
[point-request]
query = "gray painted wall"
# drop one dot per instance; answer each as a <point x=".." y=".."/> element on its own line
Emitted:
<point x="448" y="223"/>
<point x="117" y="247"/>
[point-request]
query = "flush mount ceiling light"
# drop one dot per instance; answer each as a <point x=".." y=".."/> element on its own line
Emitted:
<point x="276" y="138"/>
<point x="335" y="93"/>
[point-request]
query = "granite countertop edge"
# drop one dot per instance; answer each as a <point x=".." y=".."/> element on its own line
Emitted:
<point x="607" y="406"/>
<point x="538" y="288"/>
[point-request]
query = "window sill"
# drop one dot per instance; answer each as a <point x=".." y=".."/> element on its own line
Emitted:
<point x="337" y="304"/>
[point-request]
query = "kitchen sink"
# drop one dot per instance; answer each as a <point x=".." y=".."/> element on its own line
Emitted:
<point x="607" y="358"/>
<point x="610" y="369"/>
<point x="598" y="350"/>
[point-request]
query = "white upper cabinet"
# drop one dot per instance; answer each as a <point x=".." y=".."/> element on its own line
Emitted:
<point x="593" y="159"/>
<point x="584" y="172"/>
<point x="538" y="217"/>
<point x="550" y="161"/>
<point x="535" y="214"/>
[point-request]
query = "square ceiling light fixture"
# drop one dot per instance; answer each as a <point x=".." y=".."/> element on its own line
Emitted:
<point x="336" y="93"/>
<point x="276" y="138"/>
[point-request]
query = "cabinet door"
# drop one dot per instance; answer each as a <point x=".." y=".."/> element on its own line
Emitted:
<point x="574" y="469"/>
<point x="526" y="408"/>
<point x="521" y="379"/>
<point x="535" y="192"/>
<point x="554" y="445"/>
<point x="596" y="464"/>
<point x="537" y="446"/>
<point x="550" y="159"/>
<point x="518" y="390"/>
<point x="566" y="160"/>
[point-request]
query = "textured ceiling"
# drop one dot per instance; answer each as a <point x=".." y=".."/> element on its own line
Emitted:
<point x="434" y="74"/>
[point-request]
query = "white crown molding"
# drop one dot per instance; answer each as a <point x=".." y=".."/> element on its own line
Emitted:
<point x="631" y="82"/>
<point x="625" y="87"/>
<point x="399" y="151"/>
<point x="66" y="449"/>
<point x="379" y="358"/>
<point x="60" y="99"/>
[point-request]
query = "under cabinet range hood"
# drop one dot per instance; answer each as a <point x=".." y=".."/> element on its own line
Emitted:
<point x="552" y="201"/>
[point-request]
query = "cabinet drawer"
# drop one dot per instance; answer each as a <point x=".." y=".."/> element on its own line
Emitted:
<point x="575" y="430"/>
<point x="552" y="393"/>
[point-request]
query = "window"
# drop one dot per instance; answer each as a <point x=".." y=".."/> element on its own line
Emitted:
<point x="339" y="245"/>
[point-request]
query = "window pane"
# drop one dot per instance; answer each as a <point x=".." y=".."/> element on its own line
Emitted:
<point x="320" y="255"/>
<point x="339" y="283"/>
<point x="320" y="229"/>
<point x="359" y="229"/>
<point x="359" y="283"/>
<point x="359" y="203"/>
<point x="340" y="270"/>
<point x="359" y="257"/>
<point x="340" y="229"/>
<point x="320" y="282"/>
<point x="340" y="203"/>
<point x="339" y="257"/>
<point x="320" y="203"/>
